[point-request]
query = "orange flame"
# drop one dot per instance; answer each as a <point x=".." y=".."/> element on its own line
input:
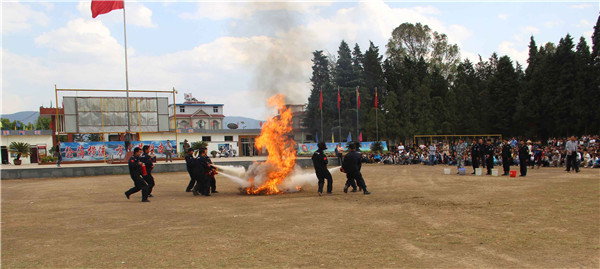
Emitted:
<point x="276" y="137"/>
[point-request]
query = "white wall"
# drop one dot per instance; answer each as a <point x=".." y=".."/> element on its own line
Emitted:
<point x="45" y="140"/>
<point x="216" y="139"/>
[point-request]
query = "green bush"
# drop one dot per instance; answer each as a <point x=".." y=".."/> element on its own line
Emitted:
<point x="199" y="144"/>
<point x="377" y="147"/>
<point x="48" y="159"/>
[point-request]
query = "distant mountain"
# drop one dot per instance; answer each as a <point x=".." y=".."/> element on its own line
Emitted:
<point x="25" y="117"/>
<point x="244" y="123"/>
<point x="31" y="116"/>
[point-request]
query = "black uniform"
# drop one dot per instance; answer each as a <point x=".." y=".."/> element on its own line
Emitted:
<point x="320" y="163"/>
<point x="352" y="165"/>
<point x="475" y="154"/>
<point x="201" y="175"/>
<point x="189" y="165"/>
<point x="489" y="157"/>
<point x="135" y="171"/>
<point x="211" y="176"/>
<point x="523" y="157"/>
<point x="506" y="158"/>
<point x="149" y="163"/>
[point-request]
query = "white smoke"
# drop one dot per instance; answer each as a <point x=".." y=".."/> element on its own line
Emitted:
<point x="259" y="171"/>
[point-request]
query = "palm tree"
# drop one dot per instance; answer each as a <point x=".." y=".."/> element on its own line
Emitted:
<point x="21" y="149"/>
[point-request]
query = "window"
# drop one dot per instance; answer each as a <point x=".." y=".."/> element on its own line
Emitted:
<point x="206" y="138"/>
<point x="182" y="109"/>
<point x="215" y="109"/>
<point x="229" y="138"/>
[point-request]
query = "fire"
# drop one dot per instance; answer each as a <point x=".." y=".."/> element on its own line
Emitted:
<point x="275" y="136"/>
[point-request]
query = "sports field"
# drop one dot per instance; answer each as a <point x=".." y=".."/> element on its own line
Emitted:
<point x="415" y="217"/>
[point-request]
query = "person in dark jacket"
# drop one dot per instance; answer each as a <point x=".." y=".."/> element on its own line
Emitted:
<point x="490" y="151"/>
<point x="135" y="171"/>
<point x="320" y="162"/>
<point x="523" y="158"/>
<point x="189" y="165"/>
<point x="148" y="160"/>
<point x="201" y="170"/>
<point x="211" y="175"/>
<point x="351" y="166"/>
<point x="506" y="157"/>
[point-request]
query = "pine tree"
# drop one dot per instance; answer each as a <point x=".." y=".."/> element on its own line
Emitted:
<point x="320" y="79"/>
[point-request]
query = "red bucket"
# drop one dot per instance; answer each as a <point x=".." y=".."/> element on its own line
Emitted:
<point x="513" y="173"/>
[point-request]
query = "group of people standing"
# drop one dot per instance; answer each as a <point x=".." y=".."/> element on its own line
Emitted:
<point x="351" y="165"/>
<point x="202" y="173"/>
<point x="484" y="153"/>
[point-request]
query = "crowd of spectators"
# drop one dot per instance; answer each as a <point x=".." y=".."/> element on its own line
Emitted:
<point x="548" y="153"/>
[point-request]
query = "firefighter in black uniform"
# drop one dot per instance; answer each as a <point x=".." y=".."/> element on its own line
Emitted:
<point x="523" y="157"/>
<point x="135" y="171"/>
<point x="482" y="159"/>
<point x="189" y="165"/>
<point x="489" y="152"/>
<point x="320" y="163"/>
<point x="211" y="175"/>
<point x="201" y="170"/>
<point x="506" y="157"/>
<point x="475" y="149"/>
<point x="148" y="160"/>
<point x="351" y="166"/>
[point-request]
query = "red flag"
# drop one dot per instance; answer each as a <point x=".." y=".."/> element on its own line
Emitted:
<point x="357" y="99"/>
<point x="360" y="137"/>
<point x="339" y="99"/>
<point x="102" y="7"/>
<point x="321" y="100"/>
<point x="375" y="97"/>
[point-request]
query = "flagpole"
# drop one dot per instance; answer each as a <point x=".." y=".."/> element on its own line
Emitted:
<point x="376" y="119"/>
<point x="357" y="108"/>
<point x="339" y="117"/>
<point x="321" y="106"/>
<point x="126" y="69"/>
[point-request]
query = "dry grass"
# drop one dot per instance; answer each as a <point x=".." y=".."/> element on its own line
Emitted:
<point x="416" y="217"/>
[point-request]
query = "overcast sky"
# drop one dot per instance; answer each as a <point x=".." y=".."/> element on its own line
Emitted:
<point x="239" y="53"/>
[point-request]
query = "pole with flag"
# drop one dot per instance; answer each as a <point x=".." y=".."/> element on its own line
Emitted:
<point x="339" y="115"/>
<point x="102" y="7"/>
<point x="376" y="119"/>
<point x="321" y="109"/>
<point x="357" y="109"/>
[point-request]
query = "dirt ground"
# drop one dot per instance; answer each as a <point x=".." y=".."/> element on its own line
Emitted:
<point x="415" y="217"/>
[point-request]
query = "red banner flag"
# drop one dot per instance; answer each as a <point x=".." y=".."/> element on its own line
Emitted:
<point x="102" y="7"/>
<point x="357" y="99"/>
<point x="339" y="99"/>
<point x="360" y="137"/>
<point x="375" y="97"/>
<point x="321" y="100"/>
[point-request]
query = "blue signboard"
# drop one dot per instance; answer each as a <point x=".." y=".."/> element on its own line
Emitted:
<point x="113" y="150"/>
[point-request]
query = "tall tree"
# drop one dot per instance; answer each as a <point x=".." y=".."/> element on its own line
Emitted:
<point x="416" y="41"/>
<point x="320" y="79"/>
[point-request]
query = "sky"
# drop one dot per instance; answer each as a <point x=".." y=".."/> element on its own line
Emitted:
<point x="240" y="53"/>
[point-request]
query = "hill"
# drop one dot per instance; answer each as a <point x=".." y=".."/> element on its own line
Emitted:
<point x="25" y="117"/>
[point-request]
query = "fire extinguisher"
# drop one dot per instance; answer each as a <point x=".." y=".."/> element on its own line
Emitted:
<point x="144" y="171"/>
